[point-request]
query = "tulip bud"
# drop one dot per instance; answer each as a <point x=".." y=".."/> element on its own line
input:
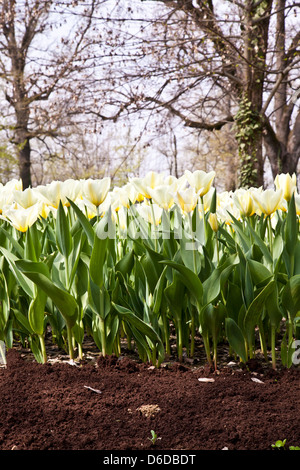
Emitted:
<point x="213" y="221"/>
<point x="287" y="183"/>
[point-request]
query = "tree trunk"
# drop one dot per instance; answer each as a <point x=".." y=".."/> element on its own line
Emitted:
<point x="248" y="119"/>
<point x="24" y="163"/>
<point x="281" y="142"/>
<point x="283" y="154"/>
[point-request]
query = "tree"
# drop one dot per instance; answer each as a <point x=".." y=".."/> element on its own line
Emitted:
<point x="45" y="61"/>
<point x="203" y="53"/>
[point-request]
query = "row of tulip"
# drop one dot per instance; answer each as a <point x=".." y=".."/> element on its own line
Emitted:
<point x="23" y="208"/>
<point x="132" y="262"/>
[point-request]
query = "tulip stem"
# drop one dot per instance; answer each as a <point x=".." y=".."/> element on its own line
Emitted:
<point x="273" y="336"/>
<point x="270" y="235"/>
<point x="67" y="274"/>
<point x="43" y="348"/>
<point x="70" y="342"/>
<point x="207" y="348"/>
<point x="204" y="221"/>
<point x="217" y="246"/>
<point x="193" y="332"/>
<point x="179" y="341"/>
<point x="193" y="244"/>
<point x="153" y="220"/>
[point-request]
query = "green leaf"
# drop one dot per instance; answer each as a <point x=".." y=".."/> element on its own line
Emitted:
<point x="12" y="260"/>
<point x="259" y="273"/>
<point x="23" y="320"/>
<point x="213" y="285"/>
<point x="32" y="249"/>
<point x="85" y="223"/>
<point x="248" y="288"/>
<point x="236" y="338"/>
<point x="75" y="256"/>
<point x="273" y="308"/>
<point x="36" y="312"/>
<point x="151" y="265"/>
<point x="245" y="240"/>
<point x="159" y="292"/>
<point x="211" y="319"/>
<point x="291" y="227"/>
<point x="213" y="204"/>
<point x="190" y="279"/>
<point x="64" y="301"/>
<point x="143" y="328"/>
<point x="291" y="295"/>
<point x="174" y="294"/>
<point x="260" y="243"/>
<point x="99" y="299"/>
<point x="255" y="309"/>
<point x="62" y="232"/>
<point x="4" y="302"/>
<point x="125" y="264"/>
<point x="16" y="246"/>
<point x="187" y="255"/>
<point x="113" y="332"/>
<point x="97" y="260"/>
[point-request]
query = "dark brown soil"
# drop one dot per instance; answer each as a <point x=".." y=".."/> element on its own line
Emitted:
<point x="114" y="403"/>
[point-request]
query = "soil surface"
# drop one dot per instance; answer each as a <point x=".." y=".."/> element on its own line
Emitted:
<point x="114" y="404"/>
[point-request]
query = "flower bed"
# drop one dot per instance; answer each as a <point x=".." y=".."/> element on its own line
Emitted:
<point x="158" y="256"/>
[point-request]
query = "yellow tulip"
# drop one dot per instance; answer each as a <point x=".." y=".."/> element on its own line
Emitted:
<point x="268" y="200"/>
<point x="213" y="221"/>
<point x="287" y="183"/>
<point x="200" y="180"/>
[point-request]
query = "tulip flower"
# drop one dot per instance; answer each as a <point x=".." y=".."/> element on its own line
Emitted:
<point x="287" y="183"/>
<point x="22" y="218"/>
<point x="213" y="221"/>
<point x="120" y="218"/>
<point x="95" y="191"/>
<point x="151" y="180"/>
<point x="6" y="198"/>
<point x="225" y="203"/>
<point x="162" y="196"/>
<point x="14" y="184"/>
<point x="297" y="203"/>
<point x="86" y="207"/>
<point x="207" y="198"/>
<point x="45" y="209"/>
<point x="150" y="213"/>
<point x="268" y="200"/>
<point x="200" y="180"/>
<point x="49" y="193"/>
<point x="129" y="194"/>
<point x="244" y="202"/>
<point x="28" y="197"/>
<point x="187" y="199"/>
